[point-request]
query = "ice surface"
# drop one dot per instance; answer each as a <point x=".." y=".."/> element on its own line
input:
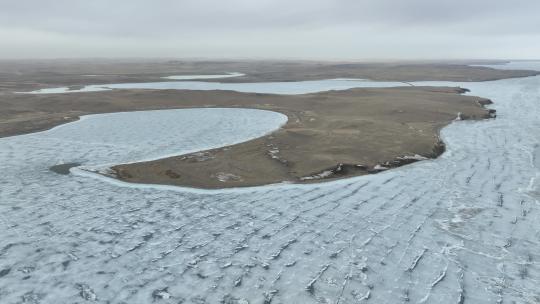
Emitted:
<point x="184" y="77"/>
<point x="290" y="88"/>
<point x="463" y="228"/>
<point x="513" y="65"/>
<point x="98" y="88"/>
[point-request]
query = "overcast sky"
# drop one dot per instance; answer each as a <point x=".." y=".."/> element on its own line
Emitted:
<point x="310" y="29"/>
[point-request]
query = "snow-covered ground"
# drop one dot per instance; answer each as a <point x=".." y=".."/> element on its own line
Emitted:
<point x="463" y="228"/>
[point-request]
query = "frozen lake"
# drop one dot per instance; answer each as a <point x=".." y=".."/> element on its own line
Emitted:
<point x="463" y="228"/>
<point x="288" y="88"/>
<point x="514" y="65"/>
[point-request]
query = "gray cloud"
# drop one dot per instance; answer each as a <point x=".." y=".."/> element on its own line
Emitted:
<point x="351" y="29"/>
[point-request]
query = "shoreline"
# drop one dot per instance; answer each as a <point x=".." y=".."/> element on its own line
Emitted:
<point x="329" y="135"/>
<point x="271" y="160"/>
<point x="295" y="167"/>
<point x="29" y="76"/>
<point x="338" y="172"/>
